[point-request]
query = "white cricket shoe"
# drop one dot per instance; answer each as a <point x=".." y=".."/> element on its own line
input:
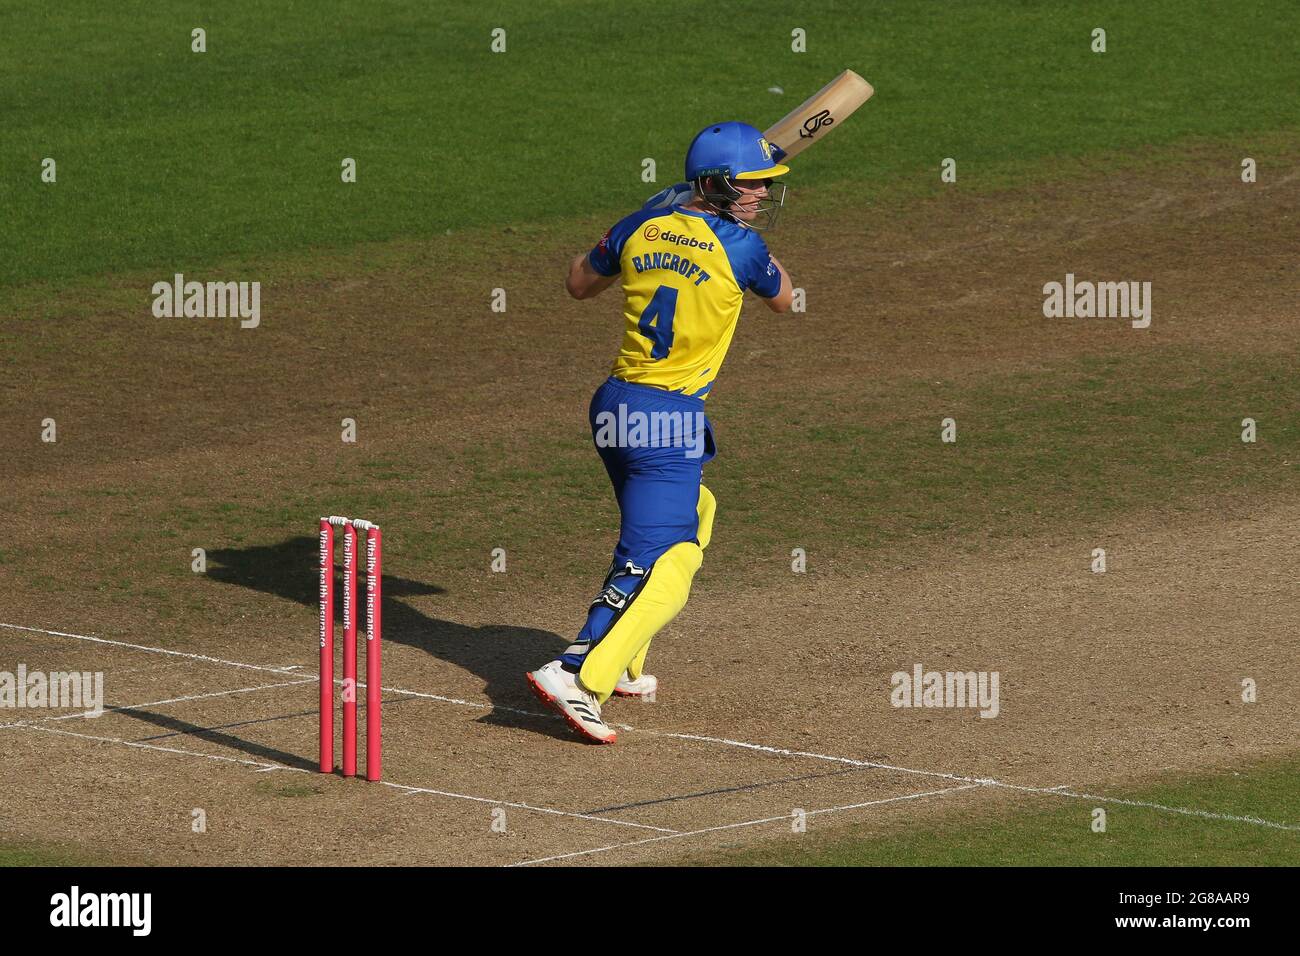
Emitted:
<point x="562" y="692"/>
<point x="643" y="686"/>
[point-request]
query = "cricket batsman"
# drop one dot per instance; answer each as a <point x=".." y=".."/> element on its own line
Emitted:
<point x="684" y="262"/>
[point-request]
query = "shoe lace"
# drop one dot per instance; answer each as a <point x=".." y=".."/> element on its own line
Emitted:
<point x="587" y="696"/>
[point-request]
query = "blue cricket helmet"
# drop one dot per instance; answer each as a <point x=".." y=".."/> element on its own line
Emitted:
<point x="734" y="150"/>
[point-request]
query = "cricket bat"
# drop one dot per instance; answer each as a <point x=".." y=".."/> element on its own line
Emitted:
<point x="816" y="117"/>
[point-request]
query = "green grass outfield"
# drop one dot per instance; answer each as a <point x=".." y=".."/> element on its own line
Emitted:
<point x="169" y="159"/>
<point x="1061" y="833"/>
<point x="40" y="854"/>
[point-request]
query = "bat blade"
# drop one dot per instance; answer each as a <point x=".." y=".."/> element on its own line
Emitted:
<point x="817" y="116"/>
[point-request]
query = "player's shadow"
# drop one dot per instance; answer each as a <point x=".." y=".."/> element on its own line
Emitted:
<point x="174" y="727"/>
<point x="288" y="570"/>
<point x="499" y="654"/>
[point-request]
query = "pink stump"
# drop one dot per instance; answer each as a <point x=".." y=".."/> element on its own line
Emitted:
<point x="374" y="604"/>
<point x="349" y="650"/>
<point x="326" y="646"/>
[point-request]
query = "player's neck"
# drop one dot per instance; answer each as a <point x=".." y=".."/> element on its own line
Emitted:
<point x="699" y="205"/>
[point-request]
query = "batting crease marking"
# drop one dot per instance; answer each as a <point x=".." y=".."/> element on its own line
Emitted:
<point x="159" y="703"/>
<point x="263" y="767"/>
<point x="527" y="806"/>
<point x="785" y="817"/>
<point x="760" y="748"/>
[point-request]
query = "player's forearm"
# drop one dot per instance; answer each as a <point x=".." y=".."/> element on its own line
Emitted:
<point x="572" y="282"/>
<point x="583" y="281"/>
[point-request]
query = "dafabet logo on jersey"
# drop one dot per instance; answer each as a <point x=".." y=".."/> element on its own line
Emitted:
<point x="653" y="232"/>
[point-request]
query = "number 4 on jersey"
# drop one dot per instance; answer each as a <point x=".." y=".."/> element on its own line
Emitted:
<point x="662" y="306"/>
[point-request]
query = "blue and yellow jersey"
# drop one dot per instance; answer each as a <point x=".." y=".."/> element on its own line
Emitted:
<point x="684" y="275"/>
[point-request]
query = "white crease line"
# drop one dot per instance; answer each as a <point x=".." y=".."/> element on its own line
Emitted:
<point x="151" y="650"/>
<point x="285" y="669"/>
<point x="159" y="703"/>
<point x="528" y="806"/>
<point x="1207" y="814"/>
<point x="747" y="823"/>
<point x="781" y="752"/>
<point x="761" y="748"/>
<point x="1058" y="791"/>
<point x="264" y="767"/>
